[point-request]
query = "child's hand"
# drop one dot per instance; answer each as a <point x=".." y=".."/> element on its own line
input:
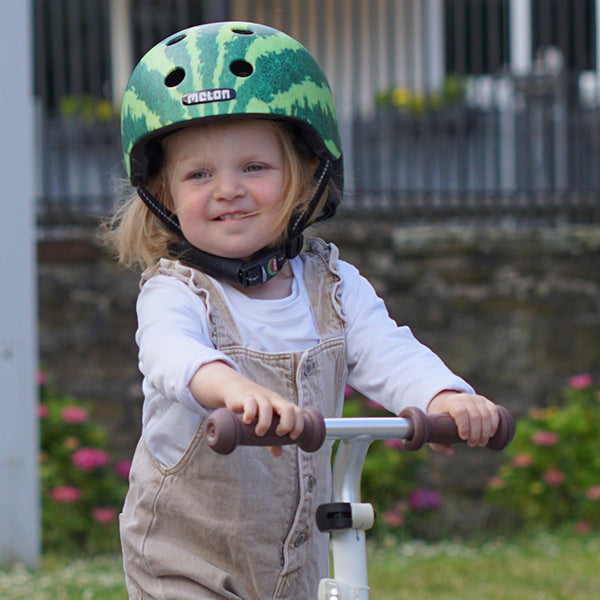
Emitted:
<point x="259" y="404"/>
<point x="476" y="417"/>
<point x="216" y="384"/>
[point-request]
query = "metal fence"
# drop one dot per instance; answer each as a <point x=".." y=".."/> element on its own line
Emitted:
<point x="535" y="157"/>
<point x="476" y="140"/>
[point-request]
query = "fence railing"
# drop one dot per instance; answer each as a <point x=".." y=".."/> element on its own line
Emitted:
<point x="537" y="157"/>
<point x="486" y="145"/>
<point x="533" y="155"/>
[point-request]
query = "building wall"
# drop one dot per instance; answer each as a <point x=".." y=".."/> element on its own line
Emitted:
<point x="514" y="311"/>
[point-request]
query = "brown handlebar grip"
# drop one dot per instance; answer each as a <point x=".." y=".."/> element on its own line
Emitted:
<point x="443" y="430"/>
<point x="225" y="431"/>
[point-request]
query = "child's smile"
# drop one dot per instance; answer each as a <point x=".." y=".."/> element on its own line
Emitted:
<point x="226" y="185"/>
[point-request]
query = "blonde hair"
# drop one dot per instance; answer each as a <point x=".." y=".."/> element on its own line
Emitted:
<point x="139" y="239"/>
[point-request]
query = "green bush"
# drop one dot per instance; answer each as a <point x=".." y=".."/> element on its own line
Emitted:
<point x="552" y="473"/>
<point x="82" y="486"/>
<point x="391" y="479"/>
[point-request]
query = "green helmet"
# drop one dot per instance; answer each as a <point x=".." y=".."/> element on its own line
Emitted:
<point x="217" y="70"/>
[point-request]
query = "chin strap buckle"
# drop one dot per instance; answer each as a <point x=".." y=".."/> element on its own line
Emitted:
<point x="268" y="263"/>
<point x="262" y="268"/>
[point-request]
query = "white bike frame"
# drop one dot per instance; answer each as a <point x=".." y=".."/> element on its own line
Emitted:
<point x="348" y="548"/>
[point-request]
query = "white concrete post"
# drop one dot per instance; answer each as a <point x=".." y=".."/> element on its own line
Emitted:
<point x="19" y="496"/>
<point x="520" y="36"/>
<point x="433" y="26"/>
<point x="121" y="48"/>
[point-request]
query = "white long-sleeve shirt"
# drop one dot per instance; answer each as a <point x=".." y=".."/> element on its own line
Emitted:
<point x="386" y="363"/>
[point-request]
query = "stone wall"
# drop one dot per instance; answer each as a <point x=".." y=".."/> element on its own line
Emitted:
<point x="514" y="311"/>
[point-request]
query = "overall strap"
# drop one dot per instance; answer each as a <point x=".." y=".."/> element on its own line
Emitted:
<point x="323" y="285"/>
<point x="222" y="327"/>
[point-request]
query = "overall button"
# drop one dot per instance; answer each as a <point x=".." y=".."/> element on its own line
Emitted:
<point x="311" y="484"/>
<point x="299" y="539"/>
<point x="308" y="368"/>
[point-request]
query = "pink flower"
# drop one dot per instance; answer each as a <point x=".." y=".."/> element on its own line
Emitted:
<point x="538" y="413"/>
<point x="65" y="494"/>
<point x="581" y="381"/>
<point x="394" y="443"/>
<point x="348" y="391"/>
<point x="42" y="412"/>
<point x="122" y="468"/>
<point x="554" y="477"/>
<point x="424" y="499"/>
<point x="593" y="492"/>
<point x="71" y="443"/>
<point x="583" y="527"/>
<point x="495" y="483"/>
<point x="393" y="518"/>
<point x="41" y="378"/>
<point x="520" y="461"/>
<point x="544" y="438"/>
<point x="74" y="414"/>
<point x="88" y="459"/>
<point x="104" y="515"/>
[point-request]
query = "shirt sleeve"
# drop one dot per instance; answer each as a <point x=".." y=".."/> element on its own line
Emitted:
<point x="386" y="362"/>
<point x="173" y="339"/>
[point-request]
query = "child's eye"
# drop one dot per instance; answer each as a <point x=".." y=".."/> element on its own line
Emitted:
<point x="199" y="175"/>
<point x="254" y="167"/>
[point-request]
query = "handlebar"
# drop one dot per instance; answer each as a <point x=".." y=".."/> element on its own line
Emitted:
<point x="225" y="431"/>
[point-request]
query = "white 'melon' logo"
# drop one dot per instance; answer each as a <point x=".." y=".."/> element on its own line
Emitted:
<point x="204" y="96"/>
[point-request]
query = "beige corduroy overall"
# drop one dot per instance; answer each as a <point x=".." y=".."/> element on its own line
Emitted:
<point x="242" y="525"/>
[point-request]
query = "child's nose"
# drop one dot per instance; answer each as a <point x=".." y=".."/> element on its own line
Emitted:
<point x="227" y="186"/>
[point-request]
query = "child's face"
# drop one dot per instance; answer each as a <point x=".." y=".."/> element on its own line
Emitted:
<point x="226" y="181"/>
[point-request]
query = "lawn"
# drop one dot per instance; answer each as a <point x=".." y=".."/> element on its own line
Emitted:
<point x="543" y="567"/>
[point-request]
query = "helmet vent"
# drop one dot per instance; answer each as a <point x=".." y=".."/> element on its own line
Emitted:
<point x="175" y="77"/>
<point x="241" y="68"/>
<point x="175" y="39"/>
<point x="243" y="31"/>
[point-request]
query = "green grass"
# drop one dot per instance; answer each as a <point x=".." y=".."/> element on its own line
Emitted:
<point x="61" y="578"/>
<point x="543" y="567"/>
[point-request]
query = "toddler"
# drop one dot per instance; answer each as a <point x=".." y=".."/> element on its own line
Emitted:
<point x="231" y="140"/>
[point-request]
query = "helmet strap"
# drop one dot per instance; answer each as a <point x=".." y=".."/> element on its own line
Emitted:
<point x="160" y="210"/>
<point x="263" y="265"/>
<point x="302" y="218"/>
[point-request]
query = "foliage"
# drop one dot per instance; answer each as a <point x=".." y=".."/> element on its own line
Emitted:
<point x="390" y="479"/>
<point x="552" y="472"/>
<point x="406" y="100"/>
<point x="82" y="486"/>
<point x="88" y="109"/>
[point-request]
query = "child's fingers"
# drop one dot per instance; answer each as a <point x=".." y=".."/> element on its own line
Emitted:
<point x="483" y="422"/>
<point x="265" y="415"/>
<point x="461" y="417"/>
<point x="290" y="420"/>
<point x="256" y="409"/>
<point x="258" y="406"/>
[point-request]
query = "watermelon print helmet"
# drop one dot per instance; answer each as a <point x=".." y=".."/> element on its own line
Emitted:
<point x="223" y="70"/>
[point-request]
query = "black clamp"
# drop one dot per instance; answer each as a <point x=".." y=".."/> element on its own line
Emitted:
<point x="334" y="515"/>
